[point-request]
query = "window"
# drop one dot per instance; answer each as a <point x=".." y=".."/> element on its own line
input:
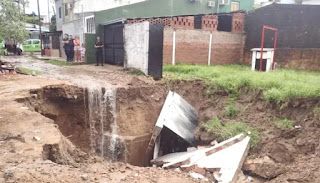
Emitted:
<point x="66" y="10"/>
<point x="90" y="25"/>
<point x="235" y="6"/>
<point x="59" y="12"/>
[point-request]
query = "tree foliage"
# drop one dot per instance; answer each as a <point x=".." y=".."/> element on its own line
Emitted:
<point x="32" y="20"/>
<point x="53" y="26"/>
<point x="12" y="20"/>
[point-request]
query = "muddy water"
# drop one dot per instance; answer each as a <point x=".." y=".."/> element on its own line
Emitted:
<point x="102" y="114"/>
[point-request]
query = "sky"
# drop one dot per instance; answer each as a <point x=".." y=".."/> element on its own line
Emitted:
<point x="43" y="7"/>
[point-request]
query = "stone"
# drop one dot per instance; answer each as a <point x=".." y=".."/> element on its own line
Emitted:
<point x="84" y="176"/>
<point x="264" y="167"/>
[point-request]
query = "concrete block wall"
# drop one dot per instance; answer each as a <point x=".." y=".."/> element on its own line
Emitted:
<point x="192" y="46"/>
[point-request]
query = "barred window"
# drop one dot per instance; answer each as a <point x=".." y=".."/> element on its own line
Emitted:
<point x="90" y="25"/>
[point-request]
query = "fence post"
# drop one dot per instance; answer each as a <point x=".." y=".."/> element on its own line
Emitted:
<point x="174" y="48"/>
<point x="210" y="46"/>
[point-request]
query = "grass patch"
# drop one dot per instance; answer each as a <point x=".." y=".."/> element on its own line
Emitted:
<point x="225" y="131"/>
<point x="29" y="71"/>
<point x="284" y="123"/>
<point x="136" y="72"/>
<point x="231" y="110"/>
<point x="280" y="85"/>
<point x="58" y="63"/>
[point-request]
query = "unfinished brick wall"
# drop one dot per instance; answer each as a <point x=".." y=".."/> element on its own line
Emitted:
<point x="184" y="22"/>
<point x="192" y="47"/>
<point x="297" y="58"/>
<point x="210" y="22"/>
<point x="238" y="22"/>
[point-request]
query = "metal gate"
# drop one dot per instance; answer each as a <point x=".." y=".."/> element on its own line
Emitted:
<point x="114" y="44"/>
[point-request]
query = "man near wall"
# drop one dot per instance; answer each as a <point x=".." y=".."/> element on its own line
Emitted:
<point x="71" y="48"/>
<point x="98" y="45"/>
<point x="65" y="42"/>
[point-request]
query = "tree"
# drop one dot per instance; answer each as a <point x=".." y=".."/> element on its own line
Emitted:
<point x="53" y="26"/>
<point x="32" y="20"/>
<point x="12" y="20"/>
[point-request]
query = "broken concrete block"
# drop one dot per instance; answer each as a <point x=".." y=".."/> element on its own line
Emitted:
<point x="264" y="167"/>
<point x="230" y="160"/>
<point x="226" y="144"/>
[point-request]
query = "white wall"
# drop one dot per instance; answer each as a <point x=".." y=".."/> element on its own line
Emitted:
<point x="98" y="5"/>
<point x="59" y="20"/>
<point x="136" y="46"/>
<point x="74" y="28"/>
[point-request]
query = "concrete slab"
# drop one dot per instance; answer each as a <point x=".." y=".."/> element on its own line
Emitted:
<point x="230" y="160"/>
<point x="177" y="115"/>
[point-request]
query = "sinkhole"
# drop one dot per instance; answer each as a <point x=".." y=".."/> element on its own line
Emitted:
<point x="113" y="123"/>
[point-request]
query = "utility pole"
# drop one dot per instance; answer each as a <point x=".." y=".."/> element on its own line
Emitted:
<point x="40" y="28"/>
<point x="49" y="19"/>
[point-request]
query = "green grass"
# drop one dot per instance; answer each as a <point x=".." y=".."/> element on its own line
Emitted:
<point x="280" y="85"/>
<point x="58" y="63"/>
<point x="284" y="123"/>
<point x="231" y="129"/>
<point x="29" y="71"/>
<point x="231" y="110"/>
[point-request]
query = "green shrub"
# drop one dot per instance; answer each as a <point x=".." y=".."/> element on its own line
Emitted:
<point x="231" y="111"/>
<point x="284" y="123"/>
<point x="29" y="71"/>
<point x="231" y="129"/>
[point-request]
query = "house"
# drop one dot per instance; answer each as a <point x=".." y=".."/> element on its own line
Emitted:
<point x="298" y="44"/>
<point x="76" y="17"/>
<point x="84" y="17"/>
<point x="163" y="9"/>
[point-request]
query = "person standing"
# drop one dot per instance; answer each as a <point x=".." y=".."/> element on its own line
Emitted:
<point x="83" y="53"/>
<point x="65" y="42"/>
<point x="98" y="45"/>
<point x="77" y="48"/>
<point x="71" y="48"/>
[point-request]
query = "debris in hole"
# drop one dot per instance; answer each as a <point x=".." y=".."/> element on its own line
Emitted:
<point x="223" y="160"/>
<point x="264" y="167"/>
<point x="179" y="117"/>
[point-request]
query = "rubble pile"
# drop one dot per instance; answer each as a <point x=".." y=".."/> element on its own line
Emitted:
<point x="218" y="162"/>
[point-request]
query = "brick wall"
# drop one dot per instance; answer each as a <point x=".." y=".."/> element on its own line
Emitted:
<point x="298" y="58"/>
<point x="192" y="46"/>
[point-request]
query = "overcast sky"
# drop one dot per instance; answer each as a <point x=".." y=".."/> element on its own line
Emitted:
<point x="43" y="7"/>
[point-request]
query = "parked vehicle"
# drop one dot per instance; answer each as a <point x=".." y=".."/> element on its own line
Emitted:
<point x="32" y="45"/>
